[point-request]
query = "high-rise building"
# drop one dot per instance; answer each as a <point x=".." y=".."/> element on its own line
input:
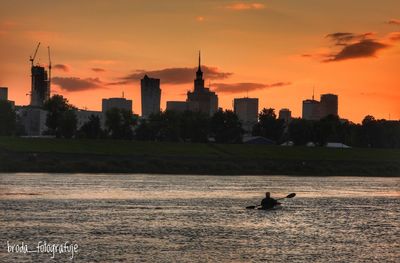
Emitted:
<point x="329" y="105"/>
<point x="311" y="110"/>
<point x="151" y="96"/>
<point x="40" y="88"/>
<point x="247" y="111"/>
<point x="286" y="115"/>
<point x="3" y="93"/>
<point x="206" y="100"/>
<point x="119" y="103"/>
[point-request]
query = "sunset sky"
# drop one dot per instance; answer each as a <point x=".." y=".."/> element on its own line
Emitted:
<point x="276" y="50"/>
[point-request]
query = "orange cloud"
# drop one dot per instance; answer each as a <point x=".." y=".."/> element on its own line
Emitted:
<point x="245" y="6"/>
<point x="246" y="86"/>
<point x="61" y="67"/>
<point x="393" y="22"/>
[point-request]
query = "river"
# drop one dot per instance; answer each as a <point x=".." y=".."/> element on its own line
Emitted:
<point x="171" y="218"/>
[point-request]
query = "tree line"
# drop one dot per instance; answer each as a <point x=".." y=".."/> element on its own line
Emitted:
<point x="223" y="127"/>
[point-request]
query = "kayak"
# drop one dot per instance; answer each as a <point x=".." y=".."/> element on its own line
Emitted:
<point x="278" y="206"/>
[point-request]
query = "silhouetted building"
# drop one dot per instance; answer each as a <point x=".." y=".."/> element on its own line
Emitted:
<point x="40" y="88"/>
<point x="119" y="103"/>
<point x="247" y="111"/>
<point x="32" y="120"/>
<point x="311" y="110"/>
<point x="329" y="105"/>
<point x="151" y="96"/>
<point x="179" y="106"/>
<point x="286" y="115"/>
<point x="3" y="93"/>
<point x="201" y="97"/>
<point x="83" y="116"/>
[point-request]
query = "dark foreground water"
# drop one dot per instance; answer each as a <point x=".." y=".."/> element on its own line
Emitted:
<point x="159" y="218"/>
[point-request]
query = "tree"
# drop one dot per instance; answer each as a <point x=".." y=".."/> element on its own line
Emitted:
<point x="226" y="127"/>
<point x="301" y="131"/>
<point x="7" y="118"/>
<point x="194" y="126"/>
<point x="268" y="125"/>
<point x="329" y="129"/>
<point x="120" y="123"/>
<point x="68" y="124"/>
<point x="61" y="117"/>
<point x="91" y="129"/>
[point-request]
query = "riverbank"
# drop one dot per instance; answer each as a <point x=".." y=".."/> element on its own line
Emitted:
<point x="109" y="156"/>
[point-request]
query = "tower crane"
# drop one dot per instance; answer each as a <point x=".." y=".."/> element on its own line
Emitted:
<point x="34" y="55"/>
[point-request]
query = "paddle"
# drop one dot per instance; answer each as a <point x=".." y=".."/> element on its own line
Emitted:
<point x="288" y="196"/>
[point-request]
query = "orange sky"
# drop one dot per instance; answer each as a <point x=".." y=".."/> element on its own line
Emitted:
<point x="276" y="50"/>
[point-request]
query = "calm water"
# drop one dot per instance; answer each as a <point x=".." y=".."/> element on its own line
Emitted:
<point x="158" y="218"/>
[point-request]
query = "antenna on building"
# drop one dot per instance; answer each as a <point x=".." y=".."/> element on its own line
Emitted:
<point x="313" y="90"/>
<point x="123" y="94"/>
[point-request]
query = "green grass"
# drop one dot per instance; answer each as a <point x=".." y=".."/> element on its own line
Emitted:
<point x="117" y="147"/>
<point x="58" y="155"/>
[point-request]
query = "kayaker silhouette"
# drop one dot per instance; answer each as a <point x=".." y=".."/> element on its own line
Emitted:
<point x="268" y="202"/>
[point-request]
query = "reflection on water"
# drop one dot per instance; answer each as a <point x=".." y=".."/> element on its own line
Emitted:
<point x="159" y="218"/>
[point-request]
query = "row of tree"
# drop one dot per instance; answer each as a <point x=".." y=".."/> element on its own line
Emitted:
<point x="223" y="127"/>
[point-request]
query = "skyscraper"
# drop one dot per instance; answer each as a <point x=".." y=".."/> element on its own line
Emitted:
<point x="311" y="110"/>
<point x="3" y="93"/>
<point x="247" y="111"/>
<point x="151" y="96"/>
<point x="119" y="103"/>
<point x="40" y="89"/>
<point x="329" y="105"/>
<point x="286" y="115"/>
<point x="206" y="100"/>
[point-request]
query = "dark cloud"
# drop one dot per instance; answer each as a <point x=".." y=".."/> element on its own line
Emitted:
<point x="343" y="38"/>
<point x="98" y="69"/>
<point x="361" y="49"/>
<point x="246" y="86"/>
<point x="173" y="75"/>
<point x="61" y="67"/>
<point x="393" y="22"/>
<point x="77" y="84"/>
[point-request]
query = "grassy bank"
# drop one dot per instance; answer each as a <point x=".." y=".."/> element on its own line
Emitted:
<point x="51" y="155"/>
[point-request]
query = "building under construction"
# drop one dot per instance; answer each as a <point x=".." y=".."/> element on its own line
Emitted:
<point x="40" y="88"/>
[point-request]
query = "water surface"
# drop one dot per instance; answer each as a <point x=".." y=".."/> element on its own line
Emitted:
<point x="160" y="218"/>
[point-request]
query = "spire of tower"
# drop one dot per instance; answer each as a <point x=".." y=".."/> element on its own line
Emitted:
<point x="199" y="68"/>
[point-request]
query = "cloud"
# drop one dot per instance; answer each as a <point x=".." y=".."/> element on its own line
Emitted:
<point x="174" y="75"/>
<point x="98" y="69"/>
<point x="73" y="84"/>
<point x="394" y="36"/>
<point x="245" y="6"/>
<point x="246" y="86"/>
<point x="393" y="22"/>
<point x="61" y="67"/>
<point x="361" y="49"/>
<point x="343" y="39"/>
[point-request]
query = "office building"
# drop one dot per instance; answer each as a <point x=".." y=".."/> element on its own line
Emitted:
<point x="247" y="111"/>
<point x="179" y="106"/>
<point x="151" y="96"/>
<point x="83" y="116"/>
<point x="119" y="103"/>
<point x="3" y="93"/>
<point x="286" y="115"/>
<point x="202" y="97"/>
<point x="329" y="105"/>
<point x="311" y="110"/>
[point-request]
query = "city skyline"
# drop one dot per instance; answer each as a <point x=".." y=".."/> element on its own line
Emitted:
<point x="253" y="49"/>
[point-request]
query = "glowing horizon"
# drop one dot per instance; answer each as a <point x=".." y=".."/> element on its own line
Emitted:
<point x="277" y="51"/>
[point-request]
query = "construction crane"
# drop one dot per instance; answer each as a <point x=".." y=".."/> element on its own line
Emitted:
<point x="34" y="55"/>
<point x="48" y="50"/>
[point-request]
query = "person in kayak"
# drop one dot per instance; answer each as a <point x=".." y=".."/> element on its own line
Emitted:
<point x="268" y="202"/>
